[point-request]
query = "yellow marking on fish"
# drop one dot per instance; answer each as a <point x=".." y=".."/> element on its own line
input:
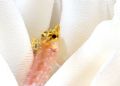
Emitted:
<point x="35" y="45"/>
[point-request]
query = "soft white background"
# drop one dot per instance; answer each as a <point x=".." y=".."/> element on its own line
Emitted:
<point x="92" y="48"/>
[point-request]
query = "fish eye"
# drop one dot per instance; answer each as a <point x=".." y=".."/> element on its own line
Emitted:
<point x="54" y="36"/>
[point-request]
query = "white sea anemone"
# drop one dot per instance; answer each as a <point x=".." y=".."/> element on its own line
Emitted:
<point x="89" y="49"/>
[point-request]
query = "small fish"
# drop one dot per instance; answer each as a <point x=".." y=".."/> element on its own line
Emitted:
<point x="45" y="61"/>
